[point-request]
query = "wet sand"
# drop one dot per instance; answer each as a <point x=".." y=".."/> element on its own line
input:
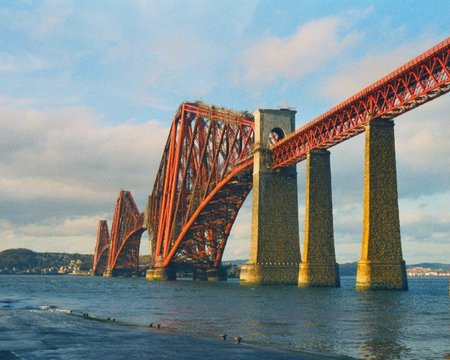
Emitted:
<point x="40" y="334"/>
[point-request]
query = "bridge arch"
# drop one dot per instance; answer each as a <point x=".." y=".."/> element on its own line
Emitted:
<point x="204" y="177"/>
<point x="275" y="135"/>
<point x="206" y="168"/>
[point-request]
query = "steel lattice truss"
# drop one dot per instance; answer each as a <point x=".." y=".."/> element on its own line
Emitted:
<point x="127" y="228"/>
<point x="206" y="168"/>
<point x="101" y="249"/>
<point x="420" y="80"/>
<point x="204" y="177"/>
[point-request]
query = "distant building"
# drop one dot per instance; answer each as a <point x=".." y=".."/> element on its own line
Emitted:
<point x="426" y="271"/>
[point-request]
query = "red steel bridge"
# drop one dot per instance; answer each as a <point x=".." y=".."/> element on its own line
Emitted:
<point x="206" y="169"/>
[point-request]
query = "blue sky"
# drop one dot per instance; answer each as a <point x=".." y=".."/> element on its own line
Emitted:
<point x="88" y="90"/>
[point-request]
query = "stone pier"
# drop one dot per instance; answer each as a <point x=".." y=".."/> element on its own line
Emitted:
<point x="274" y="249"/>
<point x="216" y="274"/>
<point x="120" y="273"/>
<point x="318" y="266"/>
<point x="161" y="274"/>
<point x="381" y="265"/>
<point x="199" y="275"/>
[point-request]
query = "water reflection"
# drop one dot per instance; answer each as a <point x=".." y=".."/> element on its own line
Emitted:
<point x="319" y="310"/>
<point x="381" y="323"/>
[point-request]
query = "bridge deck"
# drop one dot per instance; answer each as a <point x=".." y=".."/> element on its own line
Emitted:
<point x="420" y="80"/>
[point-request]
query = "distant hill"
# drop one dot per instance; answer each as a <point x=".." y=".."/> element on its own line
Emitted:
<point x="24" y="259"/>
<point x="348" y="269"/>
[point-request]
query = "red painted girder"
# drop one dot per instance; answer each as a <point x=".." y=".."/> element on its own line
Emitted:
<point x="217" y="113"/>
<point x="128" y="225"/>
<point x="200" y="185"/>
<point x="422" y="79"/>
<point x="127" y="257"/>
<point x="238" y="169"/>
<point x="101" y="249"/>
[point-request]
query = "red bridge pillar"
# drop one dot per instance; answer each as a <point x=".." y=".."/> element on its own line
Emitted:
<point x="274" y="250"/>
<point x="381" y="265"/>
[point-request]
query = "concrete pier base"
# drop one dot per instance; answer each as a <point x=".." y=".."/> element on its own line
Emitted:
<point x="318" y="267"/>
<point x="216" y="274"/>
<point x="375" y="275"/>
<point x="269" y="274"/>
<point x="381" y="265"/>
<point x="314" y="274"/>
<point x="199" y="275"/>
<point x="108" y="273"/>
<point x="274" y="248"/>
<point x="149" y="274"/>
<point x="119" y="273"/>
<point x="161" y="274"/>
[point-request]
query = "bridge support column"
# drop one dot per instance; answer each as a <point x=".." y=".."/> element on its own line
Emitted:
<point x="217" y="274"/>
<point x="161" y="274"/>
<point x="199" y="275"/>
<point x="381" y="265"/>
<point x="318" y="267"/>
<point x="108" y="273"/>
<point x="274" y="249"/>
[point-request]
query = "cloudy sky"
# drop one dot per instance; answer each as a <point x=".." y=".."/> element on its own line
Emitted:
<point x="88" y="90"/>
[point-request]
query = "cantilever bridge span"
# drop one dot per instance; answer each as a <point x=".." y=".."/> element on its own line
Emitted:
<point x="207" y="171"/>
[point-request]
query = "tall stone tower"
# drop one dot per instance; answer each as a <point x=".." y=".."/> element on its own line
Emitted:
<point x="319" y="267"/>
<point x="275" y="249"/>
<point x="381" y="265"/>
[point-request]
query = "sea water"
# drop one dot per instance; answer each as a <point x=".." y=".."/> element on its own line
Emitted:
<point x="413" y="324"/>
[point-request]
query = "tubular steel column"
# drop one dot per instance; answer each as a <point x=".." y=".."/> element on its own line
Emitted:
<point x="318" y="267"/>
<point x="274" y="250"/>
<point x="381" y="265"/>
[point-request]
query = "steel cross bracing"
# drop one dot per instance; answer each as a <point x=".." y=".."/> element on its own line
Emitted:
<point x="127" y="228"/>
<point x="418" y="81"/>
<point x="206" y="168"/>
<point x="101" y="249"/>
<point x="204" y="177"/>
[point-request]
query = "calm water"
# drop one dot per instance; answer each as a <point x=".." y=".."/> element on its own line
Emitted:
<point x="382" y="325"/>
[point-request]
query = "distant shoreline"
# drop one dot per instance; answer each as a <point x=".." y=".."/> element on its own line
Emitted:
<point x="28" y="262"/>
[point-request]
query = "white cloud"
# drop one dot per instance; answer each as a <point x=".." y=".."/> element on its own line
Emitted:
<point x="311" y="46"/>
<point x="21" y="63"/>
<point x="39" y="18"/>
<point x="52" y="235"/>
<point x="72" y="146"/>
<point x="36" y="188"/>
<point x="60" y="170"/>
<point x="69" y="227"/>
<point x="357" y="74"/>
<point x="50" y="16"/>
